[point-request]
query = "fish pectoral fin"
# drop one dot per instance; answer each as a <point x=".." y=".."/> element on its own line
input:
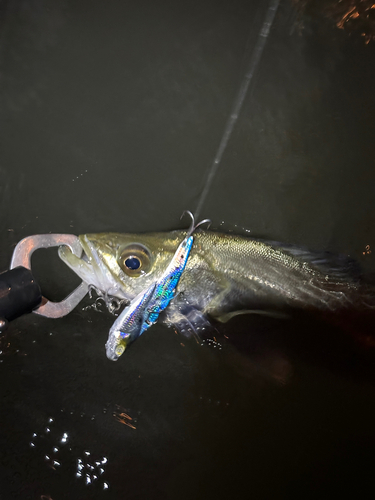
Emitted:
<point x="187" y="319"/>
<point x="224" y="318"/>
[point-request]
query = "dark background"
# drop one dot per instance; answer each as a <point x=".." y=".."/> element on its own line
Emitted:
<point x="111" y="115"/>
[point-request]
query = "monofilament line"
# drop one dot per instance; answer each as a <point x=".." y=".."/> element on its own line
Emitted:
<point x="254" y="61"/>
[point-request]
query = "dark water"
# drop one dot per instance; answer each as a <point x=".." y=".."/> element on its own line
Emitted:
<point x="111" y="115"/>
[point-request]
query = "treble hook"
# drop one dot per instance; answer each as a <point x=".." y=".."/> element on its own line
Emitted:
<point x="193" y="227"/>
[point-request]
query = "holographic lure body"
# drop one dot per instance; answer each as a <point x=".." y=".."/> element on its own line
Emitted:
<point x="166" y="286"/>
<point x="130" y="324"/>
<point x="145" y="308"/>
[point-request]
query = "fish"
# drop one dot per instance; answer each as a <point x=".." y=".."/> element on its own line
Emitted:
<point x="225" y="275"/>
<point x="144" y="310"/>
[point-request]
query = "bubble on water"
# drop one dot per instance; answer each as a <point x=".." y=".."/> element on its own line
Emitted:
<point x="105" y="486"/>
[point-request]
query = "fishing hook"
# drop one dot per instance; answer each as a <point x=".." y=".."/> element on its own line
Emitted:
<point x="193" y="227"/>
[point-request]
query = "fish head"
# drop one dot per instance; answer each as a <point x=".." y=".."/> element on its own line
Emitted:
<point x="122" y="265"/>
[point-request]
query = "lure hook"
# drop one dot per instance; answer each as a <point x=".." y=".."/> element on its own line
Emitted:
<point x="194" y="226"/>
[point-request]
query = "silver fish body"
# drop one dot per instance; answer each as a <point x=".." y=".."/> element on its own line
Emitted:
<point x="224" y="274"/>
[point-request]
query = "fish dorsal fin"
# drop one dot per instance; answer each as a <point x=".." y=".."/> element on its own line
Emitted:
<point x="337" y="266"/>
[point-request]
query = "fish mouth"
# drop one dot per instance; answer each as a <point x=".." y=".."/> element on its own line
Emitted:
<point x="105" y="281"/>
<point x="92" y="269"/>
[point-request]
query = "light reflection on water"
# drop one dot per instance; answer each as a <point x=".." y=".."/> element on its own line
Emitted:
<point x="354" y="16"/>
<point x="91" y="468"/>
<point x="58" y="449"/>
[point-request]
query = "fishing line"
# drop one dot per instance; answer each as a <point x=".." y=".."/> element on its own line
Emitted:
<point x="233" y="117"/>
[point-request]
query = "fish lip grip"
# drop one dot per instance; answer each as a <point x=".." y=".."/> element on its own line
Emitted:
<point x="22" y="257"/>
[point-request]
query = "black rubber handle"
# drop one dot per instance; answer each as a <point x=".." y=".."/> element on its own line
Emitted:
<point x="19" y="293"/>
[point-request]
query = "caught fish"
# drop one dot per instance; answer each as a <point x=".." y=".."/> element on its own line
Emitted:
<point x="144" y="310"/>
<point x="225" y="275"/>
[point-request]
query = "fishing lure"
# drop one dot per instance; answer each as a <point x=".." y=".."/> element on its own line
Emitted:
<point x="144" y="309"/>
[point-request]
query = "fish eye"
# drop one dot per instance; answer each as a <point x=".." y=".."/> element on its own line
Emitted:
<point x="134" y="260"/>
<point x="133" y="263"/>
